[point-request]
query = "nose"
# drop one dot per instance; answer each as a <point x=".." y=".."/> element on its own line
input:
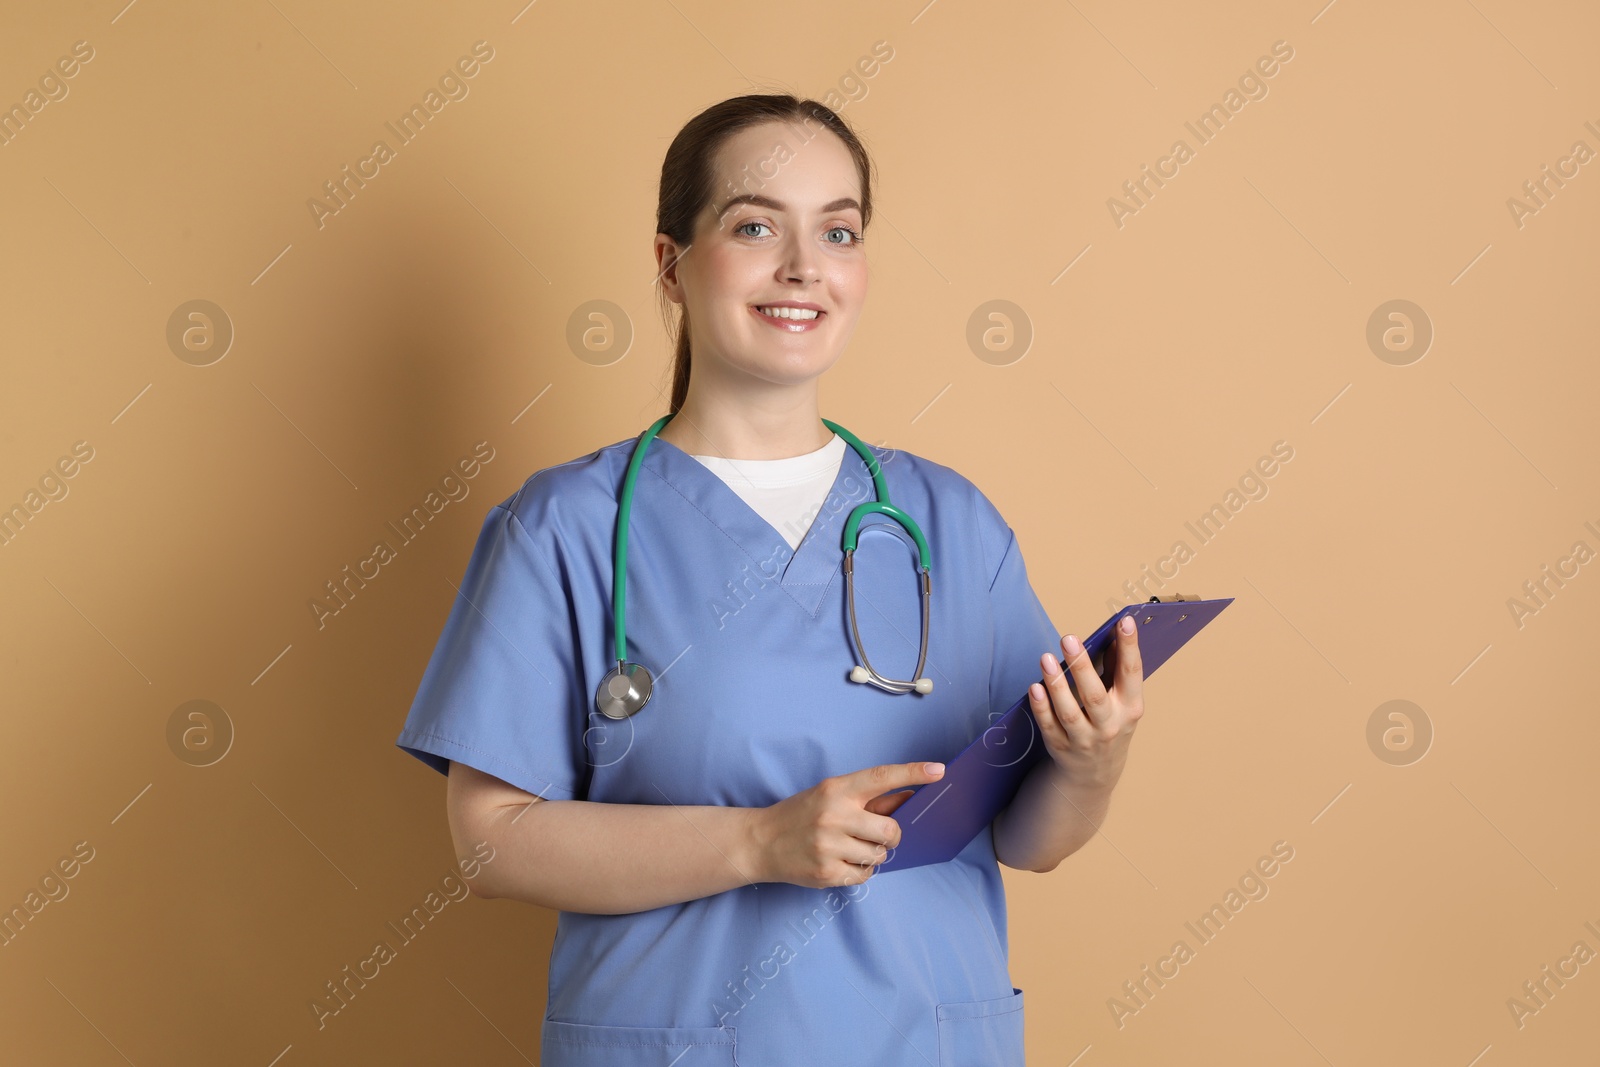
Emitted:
<point x="800" y="259"/>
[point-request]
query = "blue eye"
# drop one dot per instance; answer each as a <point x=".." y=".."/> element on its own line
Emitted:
<point x="855" y="237"/>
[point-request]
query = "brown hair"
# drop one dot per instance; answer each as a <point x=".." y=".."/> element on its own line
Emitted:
<point x="686" y="185"/>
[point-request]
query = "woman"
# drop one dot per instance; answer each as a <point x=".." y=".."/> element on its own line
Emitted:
<point x="712" y="854"/>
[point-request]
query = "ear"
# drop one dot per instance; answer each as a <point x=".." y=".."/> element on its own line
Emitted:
<point x="668" y="256"/>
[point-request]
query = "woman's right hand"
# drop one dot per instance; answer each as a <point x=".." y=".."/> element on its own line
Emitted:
<point x="839" y="830"/>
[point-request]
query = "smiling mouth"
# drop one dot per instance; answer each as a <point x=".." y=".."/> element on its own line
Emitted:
<point x="789" y="320"/>
<point x="789" y="314"/>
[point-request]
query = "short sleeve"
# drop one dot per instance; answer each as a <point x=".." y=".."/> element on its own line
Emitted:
<point x="1022" y="628"/>
<point x="500" y="692"/>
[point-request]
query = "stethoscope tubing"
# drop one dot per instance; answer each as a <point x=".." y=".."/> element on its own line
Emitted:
<point x="625" y="690"/>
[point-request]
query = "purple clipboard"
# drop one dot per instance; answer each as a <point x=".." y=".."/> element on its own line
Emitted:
<point x="941" y="818"/>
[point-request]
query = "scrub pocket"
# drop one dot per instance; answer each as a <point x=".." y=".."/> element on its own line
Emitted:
<point x="583" y="1045"/>
<point x="982" y="1033"/>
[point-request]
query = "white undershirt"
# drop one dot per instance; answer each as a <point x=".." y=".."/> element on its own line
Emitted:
<point x="787" y="492"/>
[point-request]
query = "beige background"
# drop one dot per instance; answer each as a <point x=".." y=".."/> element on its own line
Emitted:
<point x="1228" y="313"/>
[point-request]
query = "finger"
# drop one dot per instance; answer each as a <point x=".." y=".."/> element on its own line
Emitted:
<point x="1055" y="733"/>
<point x="871" y="836"/>
<point x="876" y="781"/>
<point x="1059" y="709"/>
<point x="886" y="804"/>
<point x="1130" y="666"/>
<point x="864" y="852"/>
<point x="1091" y="690"/>
<point x="875" y="830"/>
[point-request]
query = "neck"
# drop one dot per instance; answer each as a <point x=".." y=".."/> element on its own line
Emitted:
<point x="747" y="433"/>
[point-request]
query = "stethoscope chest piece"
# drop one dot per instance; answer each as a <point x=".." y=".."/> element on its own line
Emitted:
<point x="623" y="691"/>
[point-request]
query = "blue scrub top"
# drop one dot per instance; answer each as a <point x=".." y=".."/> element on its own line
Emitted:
<point x="749" y="645"/>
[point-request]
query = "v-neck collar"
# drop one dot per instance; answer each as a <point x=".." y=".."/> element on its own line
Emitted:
<point x="807" y="570"/>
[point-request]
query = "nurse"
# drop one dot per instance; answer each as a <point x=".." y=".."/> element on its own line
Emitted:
<point x="712" y="856"/>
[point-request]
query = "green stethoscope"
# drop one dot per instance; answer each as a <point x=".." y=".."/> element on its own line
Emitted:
<point x="626" y="688"/>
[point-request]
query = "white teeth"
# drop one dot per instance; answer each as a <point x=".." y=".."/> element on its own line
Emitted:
<point x="788" y="313"/>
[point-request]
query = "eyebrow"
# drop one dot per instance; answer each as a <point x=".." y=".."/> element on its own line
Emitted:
<point x="777" y="205"/>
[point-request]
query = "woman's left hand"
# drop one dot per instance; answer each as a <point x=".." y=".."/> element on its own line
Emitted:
<point x="1090" y="744"/>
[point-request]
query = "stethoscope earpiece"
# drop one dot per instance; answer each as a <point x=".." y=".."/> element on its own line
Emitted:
<point x="859" y="673"/>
